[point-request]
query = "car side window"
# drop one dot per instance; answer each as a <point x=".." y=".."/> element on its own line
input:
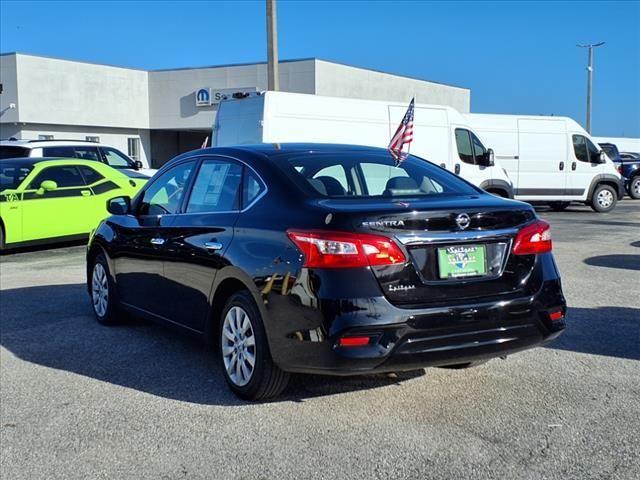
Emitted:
<point x="85" y="153"/>
<point x="90" y="175"/>
<point x="164" y="196"/>
<point x="116" y="159"/>
<point x="463" y="142"/>
<point x="593" y="154"/>
<point x="479" y="151"/>
<point x="580" y="148"/>
<point x="216" y="188"/>
<point x="64" y="176"/>
<point x="251" y="188"/>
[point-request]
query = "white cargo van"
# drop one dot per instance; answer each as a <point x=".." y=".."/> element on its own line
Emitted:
<point x="441" y="134"/>
<point x="551" y="160"/>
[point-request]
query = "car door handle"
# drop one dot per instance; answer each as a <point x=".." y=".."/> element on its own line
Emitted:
<point x="213" y="246"/>
<point x="561" y="165"/>
<point x="157" y="241"/>
<point x="574" y="165"/>
<point x="85" y="193"/>
<point x="457" y="169"/>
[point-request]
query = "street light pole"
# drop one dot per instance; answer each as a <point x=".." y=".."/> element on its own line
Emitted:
<point x="272" y="46"/>
<point x="590" y="80"/>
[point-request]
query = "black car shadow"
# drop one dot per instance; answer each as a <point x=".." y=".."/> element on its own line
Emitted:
<point x="609" y="331"/>
<point x="621" y="261"/>
<point x="54" y="326"/>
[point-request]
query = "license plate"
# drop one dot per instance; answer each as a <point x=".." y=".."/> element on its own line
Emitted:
<point x="459" y="261"/>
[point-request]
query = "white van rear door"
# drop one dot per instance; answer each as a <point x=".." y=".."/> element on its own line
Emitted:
<point x="542" y="159"/>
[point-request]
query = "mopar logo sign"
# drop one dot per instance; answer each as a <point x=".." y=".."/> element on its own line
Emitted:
<point x="203" y="97"/>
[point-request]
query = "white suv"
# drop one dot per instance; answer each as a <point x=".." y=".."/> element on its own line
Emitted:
<point x="72" y="149"/>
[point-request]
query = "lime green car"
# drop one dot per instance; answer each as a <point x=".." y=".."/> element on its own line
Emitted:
<point x="45" y="200"/>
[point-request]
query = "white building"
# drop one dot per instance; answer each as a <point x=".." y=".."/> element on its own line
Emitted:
<point x="157" y="114"/>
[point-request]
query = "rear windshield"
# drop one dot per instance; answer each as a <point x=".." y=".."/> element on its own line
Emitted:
<point x="12" y="174"/>
<point x="358" y="175"/>
<point x="8" y="151"/>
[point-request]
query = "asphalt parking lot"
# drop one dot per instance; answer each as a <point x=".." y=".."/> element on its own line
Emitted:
<point x="138" y="401"/>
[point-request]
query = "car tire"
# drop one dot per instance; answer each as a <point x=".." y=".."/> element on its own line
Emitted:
<point x="242" y="340"/>
<point x="1" y="237"/>
<point x="604" y="198"/>
<point x="102" y="292"/>
<point x="634" y="187"/>
<point x="559" y="206"/>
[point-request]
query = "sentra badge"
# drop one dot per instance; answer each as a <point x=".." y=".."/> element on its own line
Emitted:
<point x="384" y="223"/>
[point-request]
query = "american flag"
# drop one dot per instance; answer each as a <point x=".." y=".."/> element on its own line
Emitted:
<point x="403" y="135"/>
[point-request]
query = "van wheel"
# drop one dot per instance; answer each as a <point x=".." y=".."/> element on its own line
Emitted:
<point x="559" y="206"/>
<point x="244" y="352"/>
<point x="604" y="198"/>
<point x="634" y="189"/>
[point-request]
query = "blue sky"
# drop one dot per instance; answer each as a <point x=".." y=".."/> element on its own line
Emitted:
<point x="516" y="57"/>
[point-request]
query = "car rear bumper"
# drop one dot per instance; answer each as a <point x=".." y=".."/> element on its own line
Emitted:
<point x="407" y="339"/>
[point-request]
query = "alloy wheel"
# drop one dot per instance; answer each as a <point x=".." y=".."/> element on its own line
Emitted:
<point x="635" y="188"/>
<point x="238" y="346"/>
<point x="100" y="290"/>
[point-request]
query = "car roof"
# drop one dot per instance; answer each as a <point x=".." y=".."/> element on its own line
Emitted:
<point x="274" y="149"/>
<point x="48" y="143"/>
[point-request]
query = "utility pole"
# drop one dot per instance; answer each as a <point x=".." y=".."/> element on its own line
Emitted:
<point x="590" y="80"/>
<point x="272" y="47"/>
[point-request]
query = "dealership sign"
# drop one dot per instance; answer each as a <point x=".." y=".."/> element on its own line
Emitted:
<point x="205" y="97"/>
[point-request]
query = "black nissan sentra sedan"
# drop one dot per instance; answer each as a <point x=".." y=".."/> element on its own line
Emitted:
<point x="326" y="259"/>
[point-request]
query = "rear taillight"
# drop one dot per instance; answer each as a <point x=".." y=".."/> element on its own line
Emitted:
<point x="533" y="239"/>
<point x="354" y="341"/>
<point x="325" y="249"/>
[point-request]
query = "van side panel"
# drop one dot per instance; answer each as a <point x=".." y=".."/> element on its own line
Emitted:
<point x="543" y="158"/>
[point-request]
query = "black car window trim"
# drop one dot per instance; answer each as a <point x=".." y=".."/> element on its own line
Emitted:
<point x="200" y="159"/>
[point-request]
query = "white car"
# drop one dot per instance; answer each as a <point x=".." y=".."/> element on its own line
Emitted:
<point x="72" y="149"/>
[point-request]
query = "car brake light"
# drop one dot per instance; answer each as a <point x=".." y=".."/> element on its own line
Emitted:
<point x="533" y="239"/>
<point x="326" y="249"/>
<point x="556" y="315"/>
<point x="354" y="341"/>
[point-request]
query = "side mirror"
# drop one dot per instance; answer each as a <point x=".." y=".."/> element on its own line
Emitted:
<point x="491" y="158"/>
<point x="603" y="157"/>
<point x="47" y="186"/>
<point x="138" y="164"/>
<point x="119" y="205"/>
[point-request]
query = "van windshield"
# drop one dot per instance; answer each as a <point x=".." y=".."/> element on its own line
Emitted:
<point x="363" y="174"/>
